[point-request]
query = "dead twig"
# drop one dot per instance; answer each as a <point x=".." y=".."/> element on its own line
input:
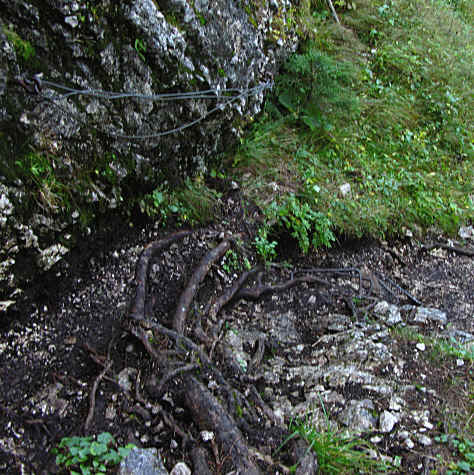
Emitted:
<point x="99" y="378"/>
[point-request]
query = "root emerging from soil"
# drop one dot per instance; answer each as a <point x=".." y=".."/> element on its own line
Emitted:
<point x="223" y="402"/>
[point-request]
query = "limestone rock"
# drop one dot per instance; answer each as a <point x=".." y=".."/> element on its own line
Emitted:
<point x="113" y="148"/>
<point x="142" y="462"/>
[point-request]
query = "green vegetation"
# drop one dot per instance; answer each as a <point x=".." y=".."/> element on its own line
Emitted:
<point x="438" y="349"/>
<point x="454" y="349"/>
<point x="192" y="203"/>
<point x="38" y="172"/>
<point x="24" y="49"/>
<point x="337" y="453"/>
<point x="461" y="448"/>
<point x="235" y="262"/>
<point x="266" y="249"/>
<point x="140" y="48"/>
<point x="90" y="455"/>
<point x="383" y="104"/>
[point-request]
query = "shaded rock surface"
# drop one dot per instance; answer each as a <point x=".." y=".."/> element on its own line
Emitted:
<point x="142" y="462"/>
<point x="68" y="156"/>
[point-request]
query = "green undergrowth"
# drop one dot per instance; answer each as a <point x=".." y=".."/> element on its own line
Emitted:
<point x="382" y="103"/>
<point x="337" y="452"/>
<point x="93" y="455"/>
<point x="192" y="203"/>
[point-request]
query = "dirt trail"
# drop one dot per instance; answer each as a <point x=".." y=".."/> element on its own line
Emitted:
<point x="325" y="343"/>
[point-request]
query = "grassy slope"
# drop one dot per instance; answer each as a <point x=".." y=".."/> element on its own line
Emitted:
<point x="383" y="103"/>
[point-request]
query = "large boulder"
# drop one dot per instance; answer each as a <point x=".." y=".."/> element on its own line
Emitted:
<point x="69" y="155"/>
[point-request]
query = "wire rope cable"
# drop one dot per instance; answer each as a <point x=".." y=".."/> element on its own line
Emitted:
<point x="225" y="96"/>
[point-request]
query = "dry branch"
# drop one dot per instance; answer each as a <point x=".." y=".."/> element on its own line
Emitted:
<point x="99" y="378"/>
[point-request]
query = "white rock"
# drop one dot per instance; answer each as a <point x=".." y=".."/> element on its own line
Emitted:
<point x="345" y="190"/>
<point x="110" y="412"/>
<point x="181" y="469"/>
<point x="396" y="403"/>
<point x="404" y="434"/>
<point x="424" y="440"/>
<point x="207" y="435"/>
<point x="459" y="362"/>
<point x="421" y="346"/>
<point x="390" y="312"/>
<point x="387" y="421"/>
<point x="357" y="416"/>
<point x="72" y="21"/>
<point x="409" y="443"/>
<point x="466" y="232"/>
<point x="425" y="313"/>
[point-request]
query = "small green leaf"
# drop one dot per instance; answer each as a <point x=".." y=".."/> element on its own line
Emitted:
<point x="464" y="466"/>
<point x="85" y="470"/>
<point x="105" y="438"/>
<point x="98" y="449"/>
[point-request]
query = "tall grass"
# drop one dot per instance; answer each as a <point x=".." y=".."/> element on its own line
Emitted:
<point x="383" y="102"/>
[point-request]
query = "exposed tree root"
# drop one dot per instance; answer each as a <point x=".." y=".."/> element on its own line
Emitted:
<point x="199" y="458"/>
<point x="229" y="294"/>
<point x="210" y="415"/>
<point x="256" y="292"/>
<point x="188" y="295"/>
<point x="179" y="356"/>
<point x="141" y="274"/>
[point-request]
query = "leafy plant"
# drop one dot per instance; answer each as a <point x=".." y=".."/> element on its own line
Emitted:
<point x="265" y="248"/>
<point x="140" y="48"/>
<point x="463" y="448"/>
<point x="231" y="262"/>
<point x="192" y="203"/>
<point x="388" y="113"/>
<point x="90" y="455"/>
<point x="312" y="86"/>
<point x="24" y="49"/>
<point x="307" y="226"/>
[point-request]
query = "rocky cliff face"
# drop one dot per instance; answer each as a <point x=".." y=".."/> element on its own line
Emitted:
<point x="69" y="154"/>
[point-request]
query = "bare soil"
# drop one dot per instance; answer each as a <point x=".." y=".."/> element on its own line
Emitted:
<point x="77" y="317"/>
